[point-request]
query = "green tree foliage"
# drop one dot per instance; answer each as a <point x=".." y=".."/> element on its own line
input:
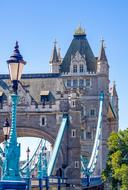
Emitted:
<point x="116" y="172"/>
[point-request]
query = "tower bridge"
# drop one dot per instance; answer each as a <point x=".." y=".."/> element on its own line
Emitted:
<point x="72" y="87"/>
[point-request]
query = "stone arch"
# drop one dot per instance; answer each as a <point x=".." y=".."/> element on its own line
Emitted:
<point x="32" y="132"/>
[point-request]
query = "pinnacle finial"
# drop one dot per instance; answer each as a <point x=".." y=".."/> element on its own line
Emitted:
<point x="114" y="83"/>
<point x="80" y="31"/>
<point x="102" y="42"/>
<point x="55" y="42"/>
<point x="113" y="89"/>
<point x="16" y="48"/>
<point x="17" y="45"/>
<point x="59" y="54"/>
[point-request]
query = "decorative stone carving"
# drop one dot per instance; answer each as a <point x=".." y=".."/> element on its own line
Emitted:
<point x="79" y="61"/>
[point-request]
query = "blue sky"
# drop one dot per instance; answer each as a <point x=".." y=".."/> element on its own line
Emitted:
<point x="36" y="23"/>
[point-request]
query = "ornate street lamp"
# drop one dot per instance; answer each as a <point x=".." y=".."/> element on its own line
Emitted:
<point x="28" y="152"/>
<point x="15" y="66"/>
<point x="12" y="150"/>
<point x="28" y="169"/>
<point x="6" y="129"/>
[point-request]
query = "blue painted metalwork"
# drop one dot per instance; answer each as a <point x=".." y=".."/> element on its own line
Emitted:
<point x="42" y="164"/>
<point x="12" y="149"/>
<point x="88" y="169"/>
<point x="32" y="158"/>
<point x="47" y="183"/>
<point x="40" y="171"/>
<point x="93" y="181"/>
<point x="95" y="150"/>
<point x="57" y="145"/>
<point x="14" y="185"/>
<point x="59" y="183"/>
<point x="40" y="184"/>
<point x="45" y="166"/>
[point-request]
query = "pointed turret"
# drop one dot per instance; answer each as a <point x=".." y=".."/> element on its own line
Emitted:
<point x="54" y="57"/>
<point x="102" y="62"/>
<point x="59" y="55"/>
<point x="114" y="98"/>
<point x="113" y="90"/>
<point x="102" y="55"/>
<point x="55" y="60"/>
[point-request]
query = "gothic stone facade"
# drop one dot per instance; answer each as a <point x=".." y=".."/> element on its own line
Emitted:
<point x="72" y="87"/>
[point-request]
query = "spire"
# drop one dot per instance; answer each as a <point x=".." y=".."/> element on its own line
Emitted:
<point x="102" y="56"/>
<point x="54" y="57"/>
<point x="16" y="56"/>
<point x="113" y="90"/>
<point x="59" y="55"/>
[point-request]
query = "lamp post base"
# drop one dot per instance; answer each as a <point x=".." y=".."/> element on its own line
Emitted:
<point x="15" y="185"/>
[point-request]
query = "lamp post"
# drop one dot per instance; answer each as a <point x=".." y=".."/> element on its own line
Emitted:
<point x="28" y="170"/>
<point x="11" y="176"/>
<point x="42" y="168"/>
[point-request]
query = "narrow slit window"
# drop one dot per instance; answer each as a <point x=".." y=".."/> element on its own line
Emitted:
<point x="73" y="133"/>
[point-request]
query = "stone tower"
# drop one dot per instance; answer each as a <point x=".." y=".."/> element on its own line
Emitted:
<point x="72" y="87"/>
<point x="55" y="60"/>
<point x="85" y="76"/>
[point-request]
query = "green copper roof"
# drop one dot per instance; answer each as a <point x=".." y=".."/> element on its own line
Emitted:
<point x="80" y="44"/>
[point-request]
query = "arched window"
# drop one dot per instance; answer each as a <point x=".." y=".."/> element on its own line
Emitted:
<point x="81" y="68"/>
<point x="74" y="68"/>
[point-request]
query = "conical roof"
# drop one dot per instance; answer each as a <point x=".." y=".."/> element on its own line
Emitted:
<point x="102" y="55"/>
<point x="113" y="90"/>
<point x="80" y="44"/>
<point x="54" y="57"/>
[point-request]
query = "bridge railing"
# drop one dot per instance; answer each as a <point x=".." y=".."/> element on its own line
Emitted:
<point x="95" y="180"/>
<point x="46" y="183"/>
